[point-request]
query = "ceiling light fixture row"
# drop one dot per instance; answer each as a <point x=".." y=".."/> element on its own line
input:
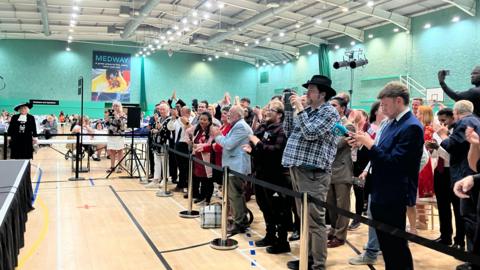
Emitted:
<point x="73" y="23"/>
<point x="190" y="21"/>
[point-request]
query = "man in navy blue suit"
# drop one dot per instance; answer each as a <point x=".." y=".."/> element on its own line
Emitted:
<point x="395" y="164"/>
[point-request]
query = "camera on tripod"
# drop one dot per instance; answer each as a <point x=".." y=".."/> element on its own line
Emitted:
<point x="111" y="113"/>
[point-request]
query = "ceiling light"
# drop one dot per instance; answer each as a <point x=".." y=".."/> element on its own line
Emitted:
<point x="226" y="53"/>
<point x="169" y="32"/>
<point x="184" y="20"/>
<point x="427" y="25"/>
<point x="246" y="44"/>
<point x="337" y="47"/>
<point x="70" y="37"/>
<point x="318" y="21"/>
<point x="256" y="41"/>
<point x="67" y="49"/>
<point x="148" y="53"/>
<point x="370" y="3"/>
<point x="216" y="56"/>
<point x="353" y="43"/>
<point x="281" y="34"/>
<point x="73" y="22"/>
<point x="170" y="38"/>
<point x="75" y="8"/>
<point x="186" y="29"/>
<point x="455" y="19"/>
<point x="136" y="55"/>
<point x="206" y="16"/>
<point x="221" y="5"/>
<point x="159" y="46"/>
<point x="395" y="30"/>
<point x="175" y="27"/>
<point x="74" y="15"/>
<point x="165" y="42"/>
<point x="272" y="65"/>
<point x="268" y="39"/>
<point x="284" y="62"/>
<point x="208" y="4"/>
<point x="179" y="33"/>
<point x="194" y="13"/>
<point x="140" y="52"/>
<point x="156" y="41"/>
<point x="309" y="52"/>
<point x="144" y="49"/>
<point x="69" y="41"/>
<point x="370" y="36"/>
<point x="162" y="37"/>
<point x="237" y="49"/>
<point x="195" y="22"/>
<point x="70" y="30"/>
<point x="345" y="9"/>
<point x="263" y="64"/>
<point x="297" y="25"/>
<point x="257" y="65"/>
<point x="209" y="58"/>
<point x="150" y="46"/>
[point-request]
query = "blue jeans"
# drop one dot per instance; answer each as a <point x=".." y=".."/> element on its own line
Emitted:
<point x="373" y="247"/>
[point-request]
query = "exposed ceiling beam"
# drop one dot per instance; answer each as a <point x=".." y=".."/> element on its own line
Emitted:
<point x="467" y="6"/>
<point x="42" y="7"/>
<point x="251" y="21"/>
<point x="138" y="19"/>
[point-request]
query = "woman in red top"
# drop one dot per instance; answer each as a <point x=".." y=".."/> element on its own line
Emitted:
<point x="201" y="149"/>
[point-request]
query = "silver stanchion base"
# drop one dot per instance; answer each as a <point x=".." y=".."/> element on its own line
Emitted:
<point x="221" y="244"/>
<point x="73" y="178"/>
<point x="189" y="214"/>
<point x="162" y="193"/>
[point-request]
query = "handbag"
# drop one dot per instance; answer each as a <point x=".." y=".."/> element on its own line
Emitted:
<point x="211" y="216"/>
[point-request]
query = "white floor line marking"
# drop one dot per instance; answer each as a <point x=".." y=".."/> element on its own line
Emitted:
<point x="59" y="228"/>
<point x="257" y="264"/>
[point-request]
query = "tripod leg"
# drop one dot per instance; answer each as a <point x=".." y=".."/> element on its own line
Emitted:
<point x="137" y="163"/>
<point x="137" y="159"/>
<point x="118" y="164"/>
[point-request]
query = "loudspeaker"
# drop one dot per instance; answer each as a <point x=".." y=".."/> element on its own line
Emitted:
<point x="133" y="117"/>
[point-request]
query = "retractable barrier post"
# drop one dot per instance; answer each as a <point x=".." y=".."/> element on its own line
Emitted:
<point x="147" y="158"/>
<point x="224" y="243"/>
<point x="190" y="213"/>
<point x="165" y="192"/>
<point x="304" y="234"/>
<point x="77" y="159"/>
<point x="5" y="145"/>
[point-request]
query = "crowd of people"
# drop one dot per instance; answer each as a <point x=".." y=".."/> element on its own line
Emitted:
<point x="392" y="156"/>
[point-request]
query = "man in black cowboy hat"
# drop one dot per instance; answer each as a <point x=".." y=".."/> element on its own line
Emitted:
<point x="310" y="151"/>
<point x="23" y="132"/>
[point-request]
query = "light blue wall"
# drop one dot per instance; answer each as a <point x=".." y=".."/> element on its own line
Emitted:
<point x="44" y="70"/>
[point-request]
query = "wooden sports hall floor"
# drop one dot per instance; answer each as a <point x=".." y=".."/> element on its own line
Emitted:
<point x="83" y="225"/>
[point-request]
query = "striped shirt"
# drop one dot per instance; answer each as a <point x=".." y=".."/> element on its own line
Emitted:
<point x="311" y="141"/>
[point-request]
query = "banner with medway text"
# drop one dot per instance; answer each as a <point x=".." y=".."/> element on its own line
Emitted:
<point x="110" y="76"/>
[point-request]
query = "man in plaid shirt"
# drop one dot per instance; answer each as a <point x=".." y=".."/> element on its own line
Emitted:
<point x="310" y="151"/>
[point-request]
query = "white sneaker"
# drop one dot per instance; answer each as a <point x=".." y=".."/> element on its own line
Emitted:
<point x="153" y="184"/>
<point x="362" y="259"/>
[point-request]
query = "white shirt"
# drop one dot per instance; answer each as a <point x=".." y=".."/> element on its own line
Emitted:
<point x="400" y="115"/>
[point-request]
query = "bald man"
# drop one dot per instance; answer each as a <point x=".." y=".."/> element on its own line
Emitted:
<point x="472" y="94"/>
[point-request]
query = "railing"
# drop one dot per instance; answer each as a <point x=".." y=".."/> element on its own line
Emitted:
<point x="412" y="84"/>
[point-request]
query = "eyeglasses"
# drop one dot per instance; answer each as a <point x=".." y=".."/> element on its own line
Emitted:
<point x="272" y="110"/>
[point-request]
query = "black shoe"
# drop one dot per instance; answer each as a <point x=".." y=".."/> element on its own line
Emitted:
<point x="459" y="246"/>
<point x="279" y="248"/>
<point x="442" y="241"/>
<point x="174" y="181"/>
<point x="236" y="229"/>
<point x="295" y="236"/>
<point x="266" y="241"/>
<point x="465" y="266"/>
<point x="295" y="265"/>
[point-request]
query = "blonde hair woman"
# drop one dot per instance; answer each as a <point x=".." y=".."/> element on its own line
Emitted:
<point x="116" y="122"/>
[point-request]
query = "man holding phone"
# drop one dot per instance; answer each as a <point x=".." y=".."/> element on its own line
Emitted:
<point x="472" y="94"/>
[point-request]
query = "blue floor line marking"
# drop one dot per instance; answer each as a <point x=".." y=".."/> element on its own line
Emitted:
<point x="37" y="185"/>
<point x="91" y="181"/>
<point x="251" y="243"/>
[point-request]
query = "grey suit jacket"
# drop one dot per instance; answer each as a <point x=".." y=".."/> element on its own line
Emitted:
<point x="233" y="155"/>
<point x="342" y="167"/>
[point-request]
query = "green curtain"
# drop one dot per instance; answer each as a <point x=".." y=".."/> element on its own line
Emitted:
<point x="323" y="62"/>
<point x="143" y="94"/>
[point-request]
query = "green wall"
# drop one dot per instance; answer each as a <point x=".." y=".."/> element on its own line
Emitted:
<point x="36" y="69"/>
<point x="420" y="53"/>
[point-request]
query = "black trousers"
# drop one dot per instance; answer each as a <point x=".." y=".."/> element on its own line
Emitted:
<point x="150" y="156"/>
<point x="172" y="163"/>
<point x="468" y="210"/>
<point x="205" y="190"/>
<point x="446" y="199"/>
<point x="182" y="164"/>
<point x="359" y="199"/>
<point x="396" y="252"/>
<point x="276" y="212"/>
